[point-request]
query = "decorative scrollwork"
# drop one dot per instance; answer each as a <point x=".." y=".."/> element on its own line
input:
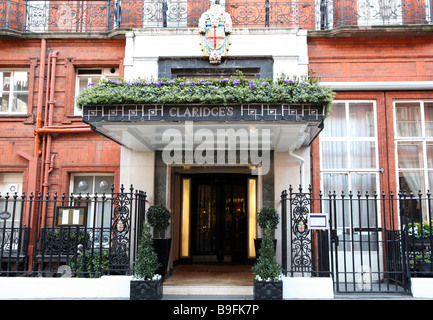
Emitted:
<point x="120" y="240"/>
<point x="106" y="15"/>
<point x="301" y="236"/>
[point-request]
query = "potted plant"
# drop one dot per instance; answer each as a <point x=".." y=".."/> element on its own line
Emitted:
<point x="268" y="284"/>
<point x="146" y="283"/>
<point x="268" y="218"/>
<point x="158" y="218"/>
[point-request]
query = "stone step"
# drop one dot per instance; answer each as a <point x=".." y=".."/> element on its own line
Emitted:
<point x="208" y="290"/>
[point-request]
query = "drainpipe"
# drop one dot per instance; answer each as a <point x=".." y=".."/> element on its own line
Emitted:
<point x="40" y="97"/>
<point x="301" y="166"/>
<point x="65" y="130"/>
<point x="50" y="112"/>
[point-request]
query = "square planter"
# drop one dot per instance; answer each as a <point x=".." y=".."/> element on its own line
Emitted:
<point x="146" y="290"/>
<point x="268" y="290"/>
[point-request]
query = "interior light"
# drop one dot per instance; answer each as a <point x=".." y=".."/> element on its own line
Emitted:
<point x="252" y="216"/>
<point x="186" y="198"/>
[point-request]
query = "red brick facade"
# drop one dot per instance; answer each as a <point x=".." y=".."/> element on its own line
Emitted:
<point x="362" y="59"/>
<point x="72" y="152"/>
<point x="393" y="58"/>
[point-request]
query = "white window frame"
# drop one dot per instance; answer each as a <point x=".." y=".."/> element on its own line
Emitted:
<point x="105" y="73"/>
<point x="349" y="170"/>
<point x="423" y="139"/>
<point x="348" y="139"/>
<point x="11" y="183"/>
<point x="12" y="90"/>
<point x="349" y="258"/>
<point x="91" y="208"/>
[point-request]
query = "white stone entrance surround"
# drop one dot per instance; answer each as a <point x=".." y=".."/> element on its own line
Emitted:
<point x="287" y="47"/>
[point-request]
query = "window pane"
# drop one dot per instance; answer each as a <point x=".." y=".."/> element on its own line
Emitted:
<point x="337" y="182"/>
<point x="363" y="155"/>
<point x="334" y="154"/>
<point x="408" y="120"/>
<point x="5" y="81"/>
<point x="361" y="120"/>
<point x="85" y="81"/>
<point x="410" y="181"/>
<point x="83" y="84"/>
<point x="429" y="150"/>
<point x="103" y="184"/>
<point x="21" y="80"/>
<point x="409" y="155"/>
<point x="19" y="102"/>
<point x="428" y="111"/>
<point x="430" y="180"/>
<point x="363" y="182"/>
<point x="335" y="124"/>
<point x="83" y="184"/>
<point x="4" y="102"/>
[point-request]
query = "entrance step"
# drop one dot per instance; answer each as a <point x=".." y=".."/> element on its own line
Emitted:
<point x="208" y="290"/>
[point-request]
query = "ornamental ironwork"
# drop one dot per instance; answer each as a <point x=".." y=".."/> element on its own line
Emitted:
<point x="301" y="260"/>
<point x="108" y="15"/>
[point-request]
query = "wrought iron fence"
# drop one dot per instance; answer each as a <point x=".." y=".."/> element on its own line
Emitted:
<point x="107" y="15"/>
<point x="82" y="235"/>
<point x="373" y="243"/>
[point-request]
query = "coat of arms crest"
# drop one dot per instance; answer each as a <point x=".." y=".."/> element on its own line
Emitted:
<point x="215" y="29"/>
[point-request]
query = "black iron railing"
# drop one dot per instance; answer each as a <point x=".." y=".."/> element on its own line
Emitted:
<point x="82" y="235"/>
<point x="373" y="243"/>
<point x="106" y="15"/>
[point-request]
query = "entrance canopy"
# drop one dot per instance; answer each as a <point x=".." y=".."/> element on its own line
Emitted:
<point x="279" y="127"/>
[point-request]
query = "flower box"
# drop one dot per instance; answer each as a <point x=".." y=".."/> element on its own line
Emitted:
<point x="146" y="289"/>
<point x="268" y="290"/>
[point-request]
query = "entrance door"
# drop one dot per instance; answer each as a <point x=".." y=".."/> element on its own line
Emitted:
<point x="219" y="218"/>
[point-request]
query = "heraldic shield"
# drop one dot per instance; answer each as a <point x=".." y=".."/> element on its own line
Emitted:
<point x="215" y="28"/>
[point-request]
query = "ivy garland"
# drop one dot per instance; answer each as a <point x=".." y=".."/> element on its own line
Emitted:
<point x="236" y="89"/>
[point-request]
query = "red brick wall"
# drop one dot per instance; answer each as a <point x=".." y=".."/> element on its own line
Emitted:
<point x="82" y="152"/>
<point x="373" y="59"/>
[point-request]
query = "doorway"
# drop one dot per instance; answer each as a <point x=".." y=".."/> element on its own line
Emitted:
<point x="219" y="219"/>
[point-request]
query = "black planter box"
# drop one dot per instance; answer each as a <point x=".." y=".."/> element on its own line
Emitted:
<point x="268" y="290"/>
<point x="146" y="290"/>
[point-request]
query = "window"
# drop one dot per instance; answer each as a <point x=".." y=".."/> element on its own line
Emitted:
<point x="98" y="211"/>
<point x="11" y="230"/>
<point x="14" y="92"/>
<point x="349" y="162"/>
<point x="86" y="77"/>
<point x="414" y="145"/>
<point x="349" y="148"/>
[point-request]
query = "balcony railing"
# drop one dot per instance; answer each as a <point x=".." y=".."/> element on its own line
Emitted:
<point x="106" y="15"/>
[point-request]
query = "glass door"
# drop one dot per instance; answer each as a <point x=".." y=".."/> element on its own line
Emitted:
<point x="219" y="219"/>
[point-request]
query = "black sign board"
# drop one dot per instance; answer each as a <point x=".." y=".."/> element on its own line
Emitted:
<point x="215" y="113"/>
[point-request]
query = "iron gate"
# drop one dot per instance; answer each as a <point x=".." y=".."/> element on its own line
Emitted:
<point x="367" y="246"/>
<point x="84" y="235"/>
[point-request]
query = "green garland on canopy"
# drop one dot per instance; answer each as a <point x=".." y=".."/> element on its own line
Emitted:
<point x="236" y="89"/>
